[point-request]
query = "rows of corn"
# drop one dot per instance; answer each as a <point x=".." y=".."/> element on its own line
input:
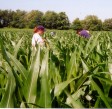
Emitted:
<point x="71" y="72"/>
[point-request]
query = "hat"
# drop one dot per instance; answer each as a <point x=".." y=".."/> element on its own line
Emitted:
<point x="40" y="27"/>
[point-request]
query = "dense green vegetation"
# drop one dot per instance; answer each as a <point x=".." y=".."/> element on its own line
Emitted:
<point x="51" y="20"/>
<point x="73" y="73"/>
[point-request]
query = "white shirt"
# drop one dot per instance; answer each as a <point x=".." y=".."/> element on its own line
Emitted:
<point x="37" y="39"/>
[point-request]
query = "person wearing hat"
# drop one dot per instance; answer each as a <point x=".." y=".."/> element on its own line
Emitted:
<point x="37" y="36"/>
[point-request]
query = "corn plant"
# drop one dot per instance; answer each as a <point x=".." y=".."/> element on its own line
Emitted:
<point x="73" y="73"/>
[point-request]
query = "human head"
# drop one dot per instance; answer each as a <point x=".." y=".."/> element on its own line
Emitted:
<point x="78" y="31"/>
<point x="39" y="29"/>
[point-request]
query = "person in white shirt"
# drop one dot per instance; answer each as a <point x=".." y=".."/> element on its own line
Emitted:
<point x="37" y="38"/>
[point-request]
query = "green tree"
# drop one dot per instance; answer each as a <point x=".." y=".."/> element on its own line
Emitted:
<point x="107" y="24"/>
<point x="4" y="18"/>
<point x="18" y="19"/>
<point x="11" y="15"/>
<point x="1" y="22"/>
<point x="50" y="20"/>
<point x="33" y="18"/>
<point x="92" y="22"/>
<point x="76" y="24"/>
<point x="63" y="21"/>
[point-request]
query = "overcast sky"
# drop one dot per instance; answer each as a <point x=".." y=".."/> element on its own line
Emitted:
<point x="72" y="8"/>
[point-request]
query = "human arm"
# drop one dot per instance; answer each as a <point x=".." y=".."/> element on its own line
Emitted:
<point x="33" y="42"/>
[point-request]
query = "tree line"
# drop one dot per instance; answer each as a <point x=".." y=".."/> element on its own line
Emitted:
<point x="51" y="20"/>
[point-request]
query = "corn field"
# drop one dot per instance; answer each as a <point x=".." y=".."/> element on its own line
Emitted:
<point x="73" y="72"/>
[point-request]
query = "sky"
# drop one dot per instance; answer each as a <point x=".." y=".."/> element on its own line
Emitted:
<point x="73" y="8"/>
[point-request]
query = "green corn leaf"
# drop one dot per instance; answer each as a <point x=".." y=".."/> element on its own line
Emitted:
<point x="45" y="97"/>
<point x="7" y="99"/>
<point x="30" y="85"/>
<point x="71" y="66"/>
<point x="18" y="80"/>
<point x="19" y="66"/>
<point x="75" y="103"/>
<point x="97" y="102"/>
<point x="97" y="88"/>
<point x="16" y="48"/>
<point x="91" y="44"/>
<point x="75" y="95"/>
<point x="60" y="87"/>
<point x="103" y="79"/>
<point x="85" y="67"/>
<point x="83" y="78"/>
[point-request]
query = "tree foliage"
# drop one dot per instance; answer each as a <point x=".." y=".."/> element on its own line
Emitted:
<point x="51" y="20"/>
<point x="107" y="24"/>
<point x="4" y="18"/>
<point x="63" y="21"/>
<point x="76" y="24"/>
<point x="92" y="22"/>
<point x="33" y="18"/>
<point x="18" y="19"/>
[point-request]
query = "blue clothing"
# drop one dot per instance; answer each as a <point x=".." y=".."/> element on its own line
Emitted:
<point x="84" y="33"/>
